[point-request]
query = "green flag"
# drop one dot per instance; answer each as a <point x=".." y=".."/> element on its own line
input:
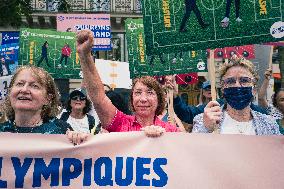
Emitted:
<point x="162" y="64"/>
<point x="52" y="50"/>
<point x="181" y="25"/>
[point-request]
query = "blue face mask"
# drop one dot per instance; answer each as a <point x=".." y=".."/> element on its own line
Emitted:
<point x="238" y="97"/>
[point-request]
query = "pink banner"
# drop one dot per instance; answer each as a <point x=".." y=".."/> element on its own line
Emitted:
<point x="132" y="160"/>
<point x="99" y="24"/>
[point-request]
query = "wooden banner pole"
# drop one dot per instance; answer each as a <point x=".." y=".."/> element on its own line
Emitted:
<point x="212" y="76"/>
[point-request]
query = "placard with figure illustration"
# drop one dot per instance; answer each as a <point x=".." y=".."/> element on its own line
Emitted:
<point x="8" y="59"/>
<point x="182" y="25"/>
<point x="52" y="50"/>
<point x="163" y="64"/>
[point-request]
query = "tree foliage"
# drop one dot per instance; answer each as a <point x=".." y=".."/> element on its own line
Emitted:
<point x="64" y="6"/>
<point x="12" y="11"/>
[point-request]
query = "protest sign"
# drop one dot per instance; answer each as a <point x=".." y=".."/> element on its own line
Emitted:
<point x="10" y="37"/>
<point x="246" y="51"/>
<point x="52" y="50"/>
<point x="114" y="73"/>
<point x="181" y="79"/>
<point x="99" y="24"/>
<point x="132" y="160"/>
<point x="4" y="84"/>
<point x="182" y="25"/>
<point x="162" y="64"/>
<point x="8" y="58"/>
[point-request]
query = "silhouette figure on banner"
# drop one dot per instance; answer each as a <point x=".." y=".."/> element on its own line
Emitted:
<point x="225" y="21"/>
<point x="190" y="5"/>
<point x="44" y="54"/>
<point x="65" y="54"/>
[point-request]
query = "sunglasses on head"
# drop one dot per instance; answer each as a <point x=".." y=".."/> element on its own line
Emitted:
<point x="81" y="98"/>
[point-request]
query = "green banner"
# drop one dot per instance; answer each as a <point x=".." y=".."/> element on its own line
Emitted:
<point x="162" y="64"/>
<point x="54" y="51"/>
<point x="182" y="25"/>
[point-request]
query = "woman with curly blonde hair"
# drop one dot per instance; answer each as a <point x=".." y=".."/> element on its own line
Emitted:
<point x="32" y="103"/>
<point x="238" y="81"/>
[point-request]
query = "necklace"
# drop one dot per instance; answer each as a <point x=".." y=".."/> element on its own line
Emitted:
<point x="26" y="129"/>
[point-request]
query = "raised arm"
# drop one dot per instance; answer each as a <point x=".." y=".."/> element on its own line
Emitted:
<point x="262" y="101"/>
<point x="184" y="112"/>
<point x="172" y="91"/>
<point x="103" y="106"/>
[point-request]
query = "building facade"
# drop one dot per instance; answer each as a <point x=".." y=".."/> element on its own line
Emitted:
<point x="44" y="17"/>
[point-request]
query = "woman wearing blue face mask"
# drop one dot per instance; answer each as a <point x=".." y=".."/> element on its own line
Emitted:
<point x="238" y="81"/>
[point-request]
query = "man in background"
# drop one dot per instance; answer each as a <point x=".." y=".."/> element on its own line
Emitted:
<point x="4" y="68"/>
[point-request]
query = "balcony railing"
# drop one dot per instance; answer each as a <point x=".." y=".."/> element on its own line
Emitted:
<point x="107" y="6"/>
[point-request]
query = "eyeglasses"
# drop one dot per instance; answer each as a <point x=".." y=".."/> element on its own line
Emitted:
<point x="243" y="81"/>
<point x="81" y="98"/>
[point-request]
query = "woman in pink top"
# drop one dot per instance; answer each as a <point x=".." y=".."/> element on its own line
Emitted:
<point x="147" y="101"/>
<point x="147" y="98"/>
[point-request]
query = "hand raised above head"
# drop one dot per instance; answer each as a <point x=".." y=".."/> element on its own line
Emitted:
<point x="170" y="83"/>
<point x="85" y="42"/>
<point x="268" y="73"/>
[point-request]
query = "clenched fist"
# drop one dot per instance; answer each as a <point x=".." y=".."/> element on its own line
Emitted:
<point x="170" y="83"/>
<point x="268" y="73"/>
<point x="85" y="42"/>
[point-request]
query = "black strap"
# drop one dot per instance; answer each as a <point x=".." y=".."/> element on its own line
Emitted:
<point x="91" y="121"/>
<point x="98" y="128"/>
<point x="65" y="116"/>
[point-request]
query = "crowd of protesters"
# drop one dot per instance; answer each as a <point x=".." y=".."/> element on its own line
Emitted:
<point x="32" y="104"/>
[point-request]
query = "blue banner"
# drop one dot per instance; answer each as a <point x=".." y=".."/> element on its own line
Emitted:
<point x="9" y="58"/>
<point x="10" y="37"/>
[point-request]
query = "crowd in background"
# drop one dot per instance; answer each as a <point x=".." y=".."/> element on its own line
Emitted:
<point x="33" y="103"/>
